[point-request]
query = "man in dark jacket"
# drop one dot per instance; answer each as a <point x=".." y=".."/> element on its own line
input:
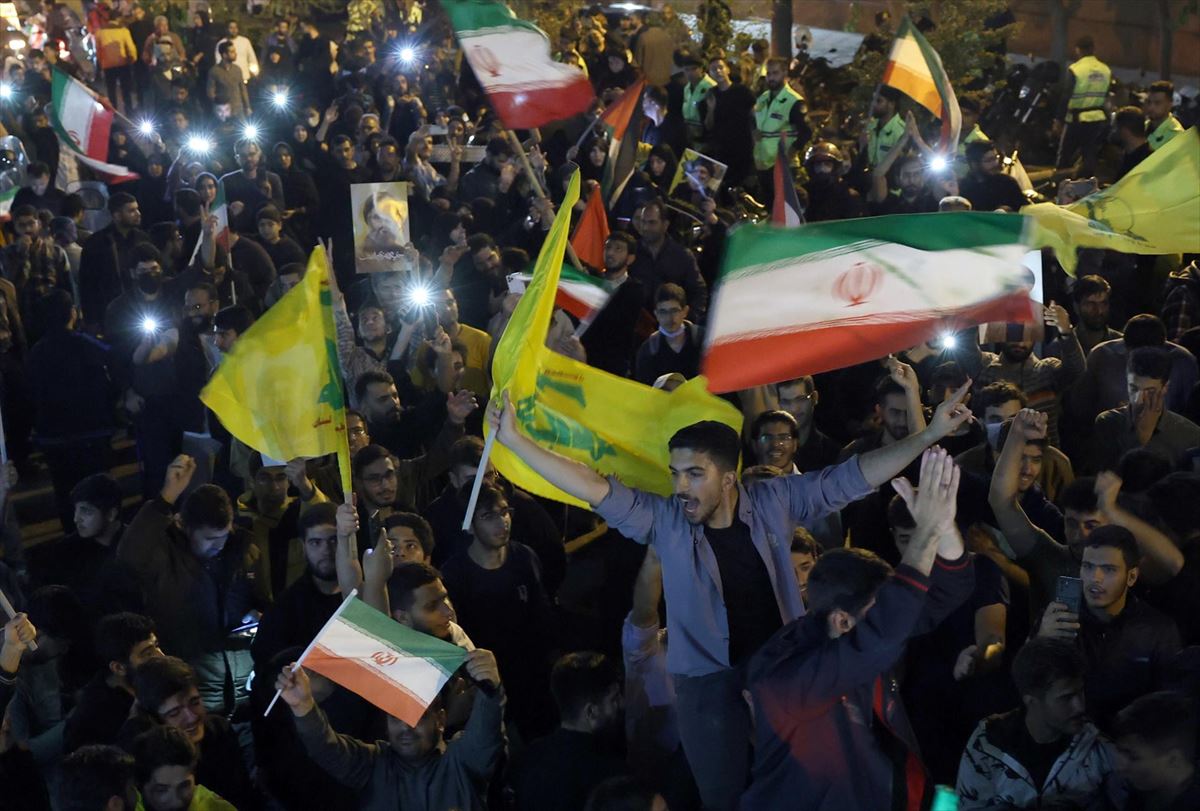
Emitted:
<point x="832" y="732"/>
<point x="609" y="340"/>
<point x="202" y="580"/>
<point x="73" y="400"/>
<point x="413" y="768"/>
<point x="661" y="259"/>
<point x="107" y="255"/>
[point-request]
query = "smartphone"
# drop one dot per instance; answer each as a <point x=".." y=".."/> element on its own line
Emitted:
<point x="1069" y="592"/>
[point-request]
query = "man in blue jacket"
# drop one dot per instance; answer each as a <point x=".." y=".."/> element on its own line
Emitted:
<point x="726" y="560"/>
<point x="832" y="733"/>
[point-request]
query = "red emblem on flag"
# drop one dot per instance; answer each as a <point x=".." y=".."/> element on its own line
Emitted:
<point x="384" y="658"/>
<point x="487" y="60"/>
<point x="858" y="284"/>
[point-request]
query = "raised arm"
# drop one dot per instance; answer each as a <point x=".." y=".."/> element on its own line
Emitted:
<point x="1003" y="495"/>
<point x="573" y="478"/>
<point x="904" y="376"/>
<point x="142" y="546"/>
<point x="1161" y="559"/>
<point x="346" y="759"/>
<point x="880" y="465"/>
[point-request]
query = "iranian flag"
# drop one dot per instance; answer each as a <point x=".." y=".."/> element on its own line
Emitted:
<point x="915" y="69"/>
<point x="798" y="301"/>
<point x="79" y="117"/>
<point x="622" y="150"/>
<point x="397" y="669"/>
<point x="511" y="59"/>
<point x="220" y="210"/>
<point x="579" y="293"/>
<point x="83" y="125"/>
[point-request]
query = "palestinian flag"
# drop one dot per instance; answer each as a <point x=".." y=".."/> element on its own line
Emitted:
<point x="827" y="295"/>
<point x="79" y="117"/>
<point x="397" y="669"/>
<point x="580" y="294"/>
<point x="785" y="209"/>
<point x="915" y="69"/>
<point x="622" y="151"/>
<point x="592" y="232"/>
<point x="511" y="60"/>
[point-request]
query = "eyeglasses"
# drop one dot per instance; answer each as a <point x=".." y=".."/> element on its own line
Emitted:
<point x="357" y="431"/>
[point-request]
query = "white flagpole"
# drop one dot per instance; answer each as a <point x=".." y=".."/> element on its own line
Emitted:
<point x="353" y="593"/>
<point x="480" y="472"/>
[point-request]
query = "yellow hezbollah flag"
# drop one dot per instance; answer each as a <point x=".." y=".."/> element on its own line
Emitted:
<point x="611" y="424"/>
<point x="1155" y="209"/>
<point x="280" y="389"/>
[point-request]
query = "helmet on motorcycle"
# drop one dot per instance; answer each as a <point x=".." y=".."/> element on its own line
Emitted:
<point x="824" y="151"/>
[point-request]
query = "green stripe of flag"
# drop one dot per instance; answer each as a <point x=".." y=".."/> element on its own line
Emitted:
<point x="751" y="247"/>
<point x="366" y="620"/>
<point x="474" y="17"/>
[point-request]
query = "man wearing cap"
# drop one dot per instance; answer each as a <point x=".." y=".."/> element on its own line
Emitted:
<point x="282" y="250"/>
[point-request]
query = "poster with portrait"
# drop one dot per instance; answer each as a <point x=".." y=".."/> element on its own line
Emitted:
<point x="381" y="238"/>
<point x="699" y="171"/>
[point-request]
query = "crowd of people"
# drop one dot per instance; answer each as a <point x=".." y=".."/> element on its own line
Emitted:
<point x="968" y="569"/>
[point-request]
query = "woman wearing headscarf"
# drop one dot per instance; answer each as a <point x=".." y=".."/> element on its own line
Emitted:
<point x="201" y="40"/>
<point x="300" y="198"/>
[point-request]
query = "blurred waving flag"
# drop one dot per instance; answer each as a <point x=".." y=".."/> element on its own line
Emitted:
<point x="798" y="301"/>
<point x="511" y="60"/>
<point x="915" y="69"/>
<point x="592" y="232"/>
<point x="1155" y="209"/>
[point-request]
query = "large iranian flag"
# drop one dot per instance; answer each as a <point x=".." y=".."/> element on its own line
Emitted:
<point x="915" y="69"/>
<point x="511" y="59"/>
<point x="798" y="301"/>
<point x="397" y="669"/>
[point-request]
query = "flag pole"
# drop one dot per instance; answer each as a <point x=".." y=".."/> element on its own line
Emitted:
<point x="540" y="192"/>
<point x="480" y="472"/>
<point x="345" y="603"/>
<point x="12" y="613"/>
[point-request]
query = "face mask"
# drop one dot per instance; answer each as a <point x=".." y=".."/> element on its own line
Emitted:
<point x="149" y="283"/>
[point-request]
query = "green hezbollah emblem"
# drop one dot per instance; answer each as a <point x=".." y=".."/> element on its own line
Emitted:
<point x="552" y="428"/>
<point x="331" y="392"/>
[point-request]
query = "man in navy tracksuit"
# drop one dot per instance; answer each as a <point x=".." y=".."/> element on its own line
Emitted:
<point x="832" y="734"/>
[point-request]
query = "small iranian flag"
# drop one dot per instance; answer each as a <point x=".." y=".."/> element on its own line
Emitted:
<point x="511" y="59"/>
<point x="6" y="201"/>
<point x="580" y="294"/>
<point x="622" y="150"/>
<point x="397" y="669"/>
<point x="915" y="69"/>
<point x="78" y="116"/>
<point x="798" y="301"/>
<point x="220" y="210"/>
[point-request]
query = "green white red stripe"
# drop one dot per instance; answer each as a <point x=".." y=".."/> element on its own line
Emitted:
<point x="79" y="117"/>
<point x="798" y="301"/>
<point x="915" y="69"/>
<point x="6" y="201"/>
<point x="394" y="667"/>
<point x="580" y="294"/>
<point x="511" y="60"/>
